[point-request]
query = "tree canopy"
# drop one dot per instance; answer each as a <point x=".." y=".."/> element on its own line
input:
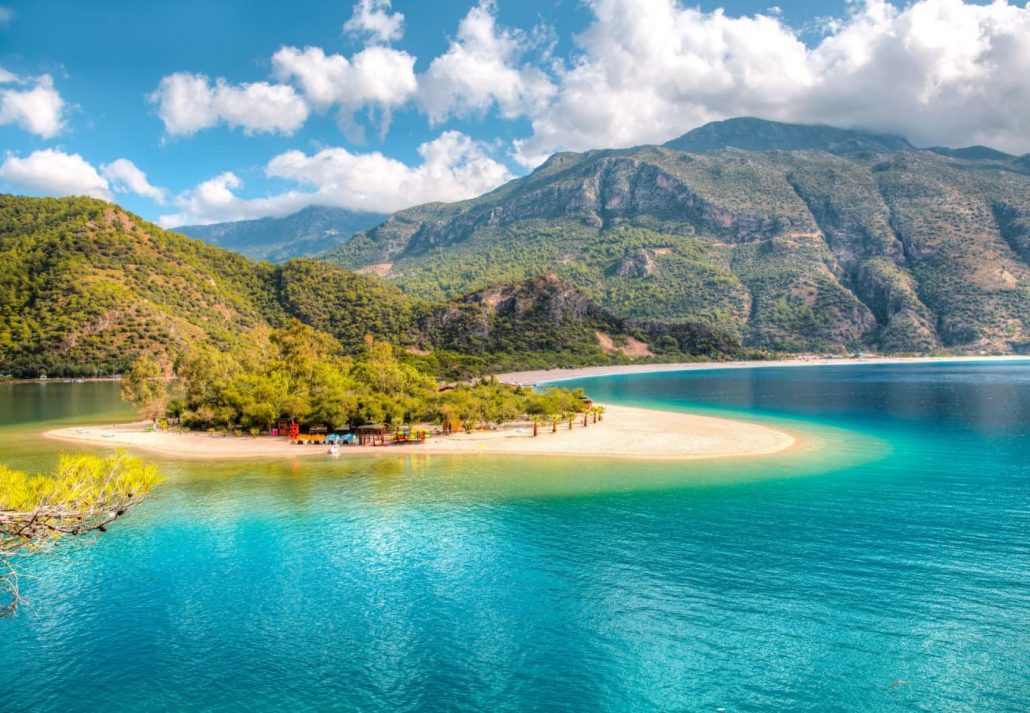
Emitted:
<point x="85" y="494"/>
<point x="301" y="374"/>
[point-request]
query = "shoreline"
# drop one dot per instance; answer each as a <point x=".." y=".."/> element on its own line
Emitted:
<point x="624" y="433"/>
<point x="552" y="376"/>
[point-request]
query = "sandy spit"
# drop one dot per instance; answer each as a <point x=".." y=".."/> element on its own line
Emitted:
<point x="623" y="433"/>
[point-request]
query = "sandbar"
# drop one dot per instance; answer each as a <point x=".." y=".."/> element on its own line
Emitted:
<point x="624" y="432"/>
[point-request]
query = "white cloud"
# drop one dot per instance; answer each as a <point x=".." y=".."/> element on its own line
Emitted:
<point x="124" y="176"/>
<point x="378" y="76"/>
<point x="454" y="167"/>
<point x="188" y="103"/>
<point x="54" y="173"/>
<point x="213" y="201"/>
<point x="939" y="71"/>
<point x="480" y="69"/>
<point x="7" y="15"/>
<point x="38" y="110"/>
<point x="373" y="19"/>
<point x="650" y="69"/>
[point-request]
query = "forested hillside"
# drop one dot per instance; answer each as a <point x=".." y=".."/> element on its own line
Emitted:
<point x="86" y="287"/>
<point x="787" y="238"/>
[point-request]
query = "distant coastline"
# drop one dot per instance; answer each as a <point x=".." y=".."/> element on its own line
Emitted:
<point x="61" y="380"/>
<point x="551" y="376"/>
<point x="532" y="377"/>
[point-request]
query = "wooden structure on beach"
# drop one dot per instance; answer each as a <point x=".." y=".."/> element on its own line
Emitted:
<point x="372" y="435"/>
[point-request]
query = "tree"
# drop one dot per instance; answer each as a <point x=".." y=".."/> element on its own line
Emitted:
<point x="146" y="385"/>
<point x="84" y="495"/>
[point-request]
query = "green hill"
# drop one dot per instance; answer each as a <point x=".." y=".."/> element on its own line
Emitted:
<point x="785" y="237"/>
<point x="86" y="287"/>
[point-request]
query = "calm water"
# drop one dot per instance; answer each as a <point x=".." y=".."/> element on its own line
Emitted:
<point x="887" y="568"/>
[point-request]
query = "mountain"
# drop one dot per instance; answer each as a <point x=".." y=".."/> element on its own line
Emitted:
<point x="305" y="233"/>
<point x="749" y="134"/>
<point x="86" y="287"/>
<point x="786" y="237"/>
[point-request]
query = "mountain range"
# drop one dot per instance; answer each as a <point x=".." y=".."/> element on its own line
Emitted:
<point x="787" y="237"/>
<point x="306" y="233"/>
<point x="86" y="287"/>
<point x="739" y="239"/>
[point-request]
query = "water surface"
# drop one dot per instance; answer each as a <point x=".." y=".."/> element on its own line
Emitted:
<point x="887" y="571"/>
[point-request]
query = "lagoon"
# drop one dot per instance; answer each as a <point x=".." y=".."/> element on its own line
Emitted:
<point x="889" y="569"/>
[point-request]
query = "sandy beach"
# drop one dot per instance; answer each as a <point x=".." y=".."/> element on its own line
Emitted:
<point x="624" y="433"/>
<point x="543" y="376"/>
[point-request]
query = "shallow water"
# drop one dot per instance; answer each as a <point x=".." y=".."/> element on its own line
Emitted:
<point x="892" y="576"/>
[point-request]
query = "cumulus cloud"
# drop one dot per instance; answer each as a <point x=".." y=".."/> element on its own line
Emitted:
<point x="949" y="72"/>
<point x="213" y="201"/>
<point x="453" y="167"/>
<point x="54" y="173"/>
<point x="480" y="69"/>
<point x="378" y="76"/>
<point x="38" y="109"/>
<point x="188" y="103"/>
<point x="373" y="19"/>
<point x="939" y="71"/>
<point x="125" y="177"/>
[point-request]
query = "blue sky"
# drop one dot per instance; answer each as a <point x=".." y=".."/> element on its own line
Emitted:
<point x="200" y="111"/>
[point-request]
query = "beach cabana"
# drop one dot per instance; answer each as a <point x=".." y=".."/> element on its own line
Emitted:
<point x="372" y="435"/>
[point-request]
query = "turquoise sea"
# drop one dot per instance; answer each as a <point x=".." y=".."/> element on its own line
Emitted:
<point x="884" y="568"/>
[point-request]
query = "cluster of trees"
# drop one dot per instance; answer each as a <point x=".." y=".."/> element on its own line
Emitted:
<point x="84" y="495"/>
<point x="489" y="402"/>
<point x="298" y="373"/>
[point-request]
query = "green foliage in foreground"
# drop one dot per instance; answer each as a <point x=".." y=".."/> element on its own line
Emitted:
<point x="84" y="494"/>
<point x="301" y="374"/>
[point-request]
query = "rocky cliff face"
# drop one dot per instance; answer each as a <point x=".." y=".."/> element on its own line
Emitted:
<point x="807" y="238"/>
<point x="546" y="313"/>
<point x="549" y="314"/>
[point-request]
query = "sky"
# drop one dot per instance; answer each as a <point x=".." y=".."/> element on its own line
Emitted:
<point x="200" y="112"/>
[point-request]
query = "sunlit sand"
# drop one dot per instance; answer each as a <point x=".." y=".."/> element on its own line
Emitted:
<point x="623" y="433"/>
